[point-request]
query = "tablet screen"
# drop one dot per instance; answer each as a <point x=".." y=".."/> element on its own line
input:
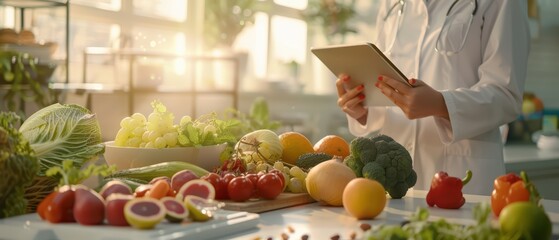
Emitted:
<point x="364" y="62"/>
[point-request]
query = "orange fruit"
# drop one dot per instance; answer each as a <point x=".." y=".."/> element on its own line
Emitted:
<point x="294" y="145"/>
<point x="364" y="198"/>
<point x="333" y="145"/>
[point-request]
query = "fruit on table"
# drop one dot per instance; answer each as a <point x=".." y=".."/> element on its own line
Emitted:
<point x="525" y="220"/>
<point x="326" y="181"/>
<point x="182" y="177"/>
<point x="446" y="191"/>
<point x="196" y="187"/>
<point x="144" y="213"/>
<point x="259" y="146"/>
<point x="114" y="186"/>
<point x="333" y="145"/>
<point x="240" y="189"/>
<point x="269" y="186"/>
<point x="89" y="208"/>
<point x="44" y="204"/>
<point x="219" y="184"/>
<point x="61" y="208"/>
<point x="508" y="188"/>
<point x="114" y="209"/>
<point x="294" y="144"/>
<point x="364" y="198"/>
<point x="196" y="209"/>
<point x="175" y="211"/>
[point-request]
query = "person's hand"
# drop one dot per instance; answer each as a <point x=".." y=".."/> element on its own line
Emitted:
<point x="416" y="102"/>
<point x="351" y="100"/>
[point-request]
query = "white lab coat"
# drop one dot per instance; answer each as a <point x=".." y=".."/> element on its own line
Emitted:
<point x="482" y="86"/>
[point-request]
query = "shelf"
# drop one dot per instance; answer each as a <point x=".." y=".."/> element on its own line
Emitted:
<point x="33" y="3"/>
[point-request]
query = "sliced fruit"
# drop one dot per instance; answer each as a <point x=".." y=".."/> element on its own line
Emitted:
<point x="144" y="213"/>
<point x="175" y="211"/>
<point x="196" y="187"/>
<point x="197" y="208"/>
<point x="114" y="186"/>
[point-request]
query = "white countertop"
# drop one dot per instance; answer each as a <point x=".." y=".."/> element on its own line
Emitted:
<point x="323" y="222"/>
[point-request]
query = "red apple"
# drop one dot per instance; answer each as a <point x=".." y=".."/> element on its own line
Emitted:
<point x="180" y="178"/>
<point x="114" y="209"/>
<point x="89" y="208"/>
<point x="115" y="186"/>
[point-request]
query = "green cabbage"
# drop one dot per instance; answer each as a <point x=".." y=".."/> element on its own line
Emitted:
<point x="63" y="132"/>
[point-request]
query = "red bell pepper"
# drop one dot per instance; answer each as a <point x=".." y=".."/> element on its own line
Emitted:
<point x="446" y="191"/>
<point x="511" y="188"/>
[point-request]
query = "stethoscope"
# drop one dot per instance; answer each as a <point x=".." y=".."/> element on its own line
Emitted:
<point x="444" y="30"/>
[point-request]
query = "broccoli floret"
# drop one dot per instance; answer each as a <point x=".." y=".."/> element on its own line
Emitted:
<point x="391" y="166"/>
<point x="354" y="164"/>
<point x="374" y="171"/>
<point x="359" y="146"/>
<point x="18" y="167"/>
<point x="399" y="190"/>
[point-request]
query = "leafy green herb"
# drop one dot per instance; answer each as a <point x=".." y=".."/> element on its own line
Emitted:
<point x="74" y="175"/>
<point x="420" y="227"/>
<point x="18" y="166"/>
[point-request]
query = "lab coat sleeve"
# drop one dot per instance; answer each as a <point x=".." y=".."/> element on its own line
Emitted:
<point x="375" y="120"/>
<point x="497" y="98"/>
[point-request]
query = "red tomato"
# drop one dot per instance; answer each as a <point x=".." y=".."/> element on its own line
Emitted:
<point x="61" y="209"/>
<point x="269" y="186"/>
<point x="218" y="183"/>
<point x="280" y="175"/>
<point x="228" y="177"/>
<point x="42" y="207"/>
<point x="240" y="189"/>
<point x="253" y="177"/>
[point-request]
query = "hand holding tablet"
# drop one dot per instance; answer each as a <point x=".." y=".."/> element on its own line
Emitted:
<point x="364" y="62"/>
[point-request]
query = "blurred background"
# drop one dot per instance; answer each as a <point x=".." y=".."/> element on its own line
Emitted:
<point x="199" y="56"/>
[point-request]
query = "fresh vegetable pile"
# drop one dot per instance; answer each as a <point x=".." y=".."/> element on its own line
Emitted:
<point x="18" y="166"/>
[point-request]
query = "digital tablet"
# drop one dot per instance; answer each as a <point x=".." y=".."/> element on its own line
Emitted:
<point x="364" y="62"/>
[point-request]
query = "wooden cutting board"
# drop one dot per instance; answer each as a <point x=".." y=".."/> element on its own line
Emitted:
<point x="261" y="205"/>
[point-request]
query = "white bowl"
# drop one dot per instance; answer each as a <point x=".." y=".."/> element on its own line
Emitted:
<point x="206" y="157"/>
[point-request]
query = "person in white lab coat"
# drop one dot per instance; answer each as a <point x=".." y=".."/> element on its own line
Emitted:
<point x="467" y="62"/>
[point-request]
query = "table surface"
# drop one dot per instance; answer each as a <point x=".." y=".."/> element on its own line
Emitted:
<point x="313" y="220"/>
<point x="323" y="222"/>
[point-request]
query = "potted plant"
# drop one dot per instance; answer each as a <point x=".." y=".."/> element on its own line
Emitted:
<point x="224" y="20"/>
<point x="333" y="16"/>
<point x="25" y="81"/>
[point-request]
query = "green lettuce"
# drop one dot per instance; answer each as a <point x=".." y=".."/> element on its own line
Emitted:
<point x="18" y="166"/>
<point x="63" y="132"/>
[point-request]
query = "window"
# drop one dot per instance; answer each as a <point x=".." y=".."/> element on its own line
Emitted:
<point x="275" y="46"/>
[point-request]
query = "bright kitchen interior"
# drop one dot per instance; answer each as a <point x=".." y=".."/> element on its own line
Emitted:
<point x="116" y="56"/>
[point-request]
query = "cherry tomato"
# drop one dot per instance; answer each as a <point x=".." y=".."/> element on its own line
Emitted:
<point x="42" y="207"/>
<point x="240" y="189"/>
<point x="269" y="186"/>
<point x="281" y="176"/>
<point x="228" y="177"/>
<point x="61" y="209"/>
<point x="219" y="184"/>
<point x="253" y="177"/>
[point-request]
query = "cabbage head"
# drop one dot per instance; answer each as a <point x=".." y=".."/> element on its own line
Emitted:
<point x="63" y="132"/>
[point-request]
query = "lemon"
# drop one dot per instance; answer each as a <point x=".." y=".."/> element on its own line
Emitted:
<point x="294" y="145"/>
